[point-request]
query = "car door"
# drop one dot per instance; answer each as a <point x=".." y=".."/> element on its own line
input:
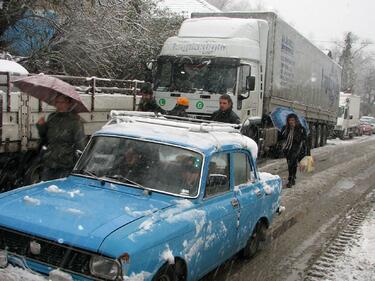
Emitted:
<point x="249" y="193"/>
<point x="222" y="211"/>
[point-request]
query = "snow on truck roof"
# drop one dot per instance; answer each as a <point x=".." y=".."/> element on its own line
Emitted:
<point x="220" y="27"/>
<point x="205" y="136"/>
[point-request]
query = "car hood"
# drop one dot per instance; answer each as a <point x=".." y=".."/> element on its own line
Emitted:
<point x="75" y="211"/>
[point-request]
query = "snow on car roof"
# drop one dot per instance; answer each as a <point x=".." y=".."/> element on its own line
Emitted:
<point x="200" y="136"/>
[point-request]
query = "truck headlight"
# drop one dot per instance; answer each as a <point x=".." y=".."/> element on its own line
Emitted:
<point x="104" y="268"/>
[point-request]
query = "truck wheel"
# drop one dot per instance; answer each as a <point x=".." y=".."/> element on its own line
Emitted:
<point x="253" y="243"/>
<point x="324" y="135"/>
<point x="166" y="273"/>
<point x="318" y="135"/>
<point x="313" y="136"/>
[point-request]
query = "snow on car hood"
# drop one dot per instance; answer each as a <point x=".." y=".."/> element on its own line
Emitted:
<point x="73" y="211"/>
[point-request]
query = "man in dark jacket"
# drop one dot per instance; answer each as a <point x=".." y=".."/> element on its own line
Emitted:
<point x="62" y="135"/>
<point x="225" y="113"/>
<point x="148" y="102"/>
<point x="295" y="145"/>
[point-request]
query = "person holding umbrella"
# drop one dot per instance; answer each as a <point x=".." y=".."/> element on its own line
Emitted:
<point x="61" y="134"/>
<point x="295" y="145"/>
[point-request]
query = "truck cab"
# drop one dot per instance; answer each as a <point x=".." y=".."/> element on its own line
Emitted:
<point x="213" y="56"/>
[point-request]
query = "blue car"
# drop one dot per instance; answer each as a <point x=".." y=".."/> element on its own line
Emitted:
<point x="149" y="199"/>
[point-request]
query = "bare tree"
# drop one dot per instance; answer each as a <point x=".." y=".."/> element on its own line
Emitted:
<point x="110" y="39"/>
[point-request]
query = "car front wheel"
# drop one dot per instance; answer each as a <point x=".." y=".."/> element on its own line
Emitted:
<point x="166" y="273"/>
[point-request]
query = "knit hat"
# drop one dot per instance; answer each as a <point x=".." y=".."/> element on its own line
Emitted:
<point x="146" y="89"/>
<point x="183" y="101"/>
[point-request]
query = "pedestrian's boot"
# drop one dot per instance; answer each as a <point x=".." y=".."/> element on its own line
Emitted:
<point x="293" y="180"/>
<point x="289" y="184"/>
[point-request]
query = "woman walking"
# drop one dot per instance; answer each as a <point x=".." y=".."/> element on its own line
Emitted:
<point x="295" y="145"/>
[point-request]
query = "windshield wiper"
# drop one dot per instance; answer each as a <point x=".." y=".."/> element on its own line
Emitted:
<point x="124" y="179"/>
<point x="85" y="172"/>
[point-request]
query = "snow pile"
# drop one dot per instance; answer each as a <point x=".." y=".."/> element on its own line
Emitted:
<point x="74" y="211"/>
<point x="267" y="176"/>
<point x="59" y="275"/>
<point x="167" y="256"/>
<point x="74" y="193"/>
<point x="268" y="189"/>
<point x="138" y="277"/>
<point x="136" y="214"/>
<point x="54" y="189"/>
<point x="32" y="201"/>
<point x="12" y="273"/>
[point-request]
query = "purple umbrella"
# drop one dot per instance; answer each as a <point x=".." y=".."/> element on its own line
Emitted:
<point x="46" y="88"/>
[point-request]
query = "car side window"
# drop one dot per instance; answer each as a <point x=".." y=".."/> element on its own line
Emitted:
<point x="218" y="175"/>
<point x="243" y="173"/>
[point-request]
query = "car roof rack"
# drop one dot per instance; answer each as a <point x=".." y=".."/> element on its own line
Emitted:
<point x="194" y="125"/>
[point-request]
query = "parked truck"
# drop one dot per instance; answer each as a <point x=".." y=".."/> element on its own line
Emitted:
<point x="348" y="116"/>
<point x="260" y="61"/>
<point x="19" y="145"/>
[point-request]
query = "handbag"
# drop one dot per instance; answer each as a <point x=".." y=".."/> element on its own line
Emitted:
<point x="307" y="164"/>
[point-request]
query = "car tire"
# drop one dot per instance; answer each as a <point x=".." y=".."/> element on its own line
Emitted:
<point x="166" y="273"/>
<point x="252" y="245"/>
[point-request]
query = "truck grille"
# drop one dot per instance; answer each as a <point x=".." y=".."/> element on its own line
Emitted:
<point x="51" y="253"/>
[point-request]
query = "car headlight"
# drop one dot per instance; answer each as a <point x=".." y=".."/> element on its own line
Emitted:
<point x="104" y="268"/>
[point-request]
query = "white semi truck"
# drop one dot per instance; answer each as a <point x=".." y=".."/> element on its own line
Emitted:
<point x="348" y="116"/>
<point x="260" y="61"/>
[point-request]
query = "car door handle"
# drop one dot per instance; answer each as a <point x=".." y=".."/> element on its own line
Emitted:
<point x="235" y="203"/>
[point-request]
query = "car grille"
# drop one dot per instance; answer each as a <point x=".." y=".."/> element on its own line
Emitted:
<point x="54" y="254"/>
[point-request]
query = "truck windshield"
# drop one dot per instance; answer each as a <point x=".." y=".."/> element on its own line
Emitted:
<point x="143" y="164"/>
<point x="191" y="77"/>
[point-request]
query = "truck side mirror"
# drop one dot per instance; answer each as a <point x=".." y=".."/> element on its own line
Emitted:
<point x="250" y="83"/>
<point x="350" y="116"/>
<point x="150" y="65"/>
<point x="244" y="96"/>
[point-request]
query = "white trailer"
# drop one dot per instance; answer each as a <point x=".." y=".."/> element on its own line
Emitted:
<point x="20" y="112"/>
<point x="348" y="116"/>
<point x="260" y="61"/>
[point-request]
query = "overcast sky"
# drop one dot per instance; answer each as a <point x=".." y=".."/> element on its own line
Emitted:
<point x="327" y="20"/>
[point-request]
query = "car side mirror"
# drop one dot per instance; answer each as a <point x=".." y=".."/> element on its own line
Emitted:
<point x="250" y="83"/>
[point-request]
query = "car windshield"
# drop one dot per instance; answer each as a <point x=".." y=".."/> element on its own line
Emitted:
<point x="190" y="77"/>
<point x="148" y="165"/>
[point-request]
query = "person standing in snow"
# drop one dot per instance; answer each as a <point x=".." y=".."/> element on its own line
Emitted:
<point x="148" y="102"/>
<point x="62" y="135"/>
<point x="295" y="145"/>
<point x="225" y="113"/>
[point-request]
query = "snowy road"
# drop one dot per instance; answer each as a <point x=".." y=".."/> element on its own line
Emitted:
<point x="344" y="175"/>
